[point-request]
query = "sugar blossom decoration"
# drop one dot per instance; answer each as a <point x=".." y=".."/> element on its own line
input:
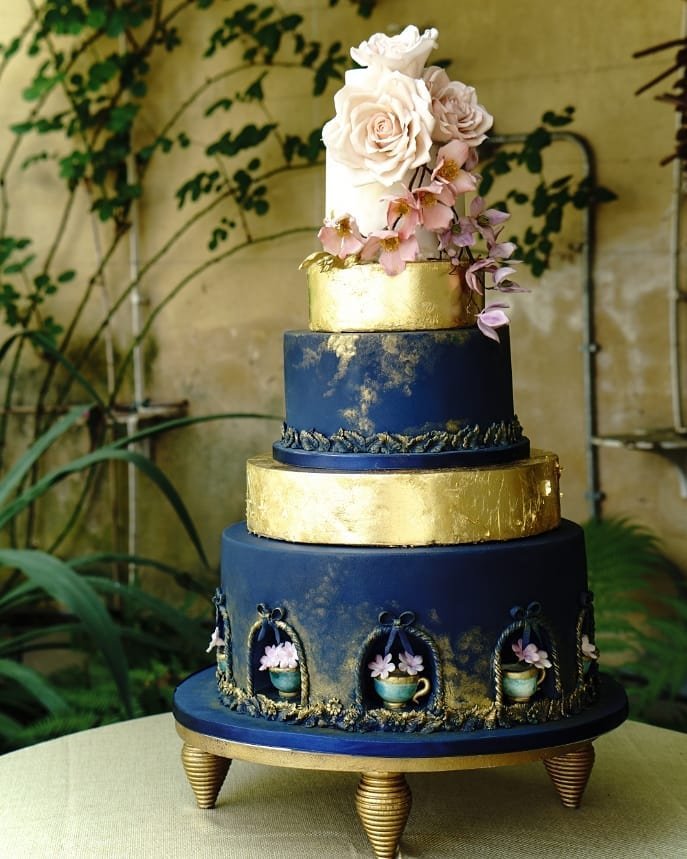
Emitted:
<point x="283" y="655"/>
<point x="406" y="52"/>
<point x="531" y="654"/>
<point x="589" y="649"/>
<point x="216" y="640"/>
<point x="412" y="132"/>
<point x="410" y="663"/>
<point x="381" y="666"/>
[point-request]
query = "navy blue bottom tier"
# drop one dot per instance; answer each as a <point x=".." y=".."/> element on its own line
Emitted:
<point x="198" y="708"/>
<point x="447" y="621"/>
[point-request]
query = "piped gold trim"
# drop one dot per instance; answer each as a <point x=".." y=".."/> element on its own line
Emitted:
<point x="425" y="296"/>
<point x="403" y="508"/>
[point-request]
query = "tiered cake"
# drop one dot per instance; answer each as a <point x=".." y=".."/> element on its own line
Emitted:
<point x="404" y="566"/>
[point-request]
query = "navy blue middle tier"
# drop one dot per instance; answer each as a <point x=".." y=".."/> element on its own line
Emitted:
<point x="396" y="400"/>
<point x="461" y="598"/>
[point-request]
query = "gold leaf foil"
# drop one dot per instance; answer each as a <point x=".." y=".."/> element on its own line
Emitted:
<point x="403" y="508"/>
<point x="425" y="296"/>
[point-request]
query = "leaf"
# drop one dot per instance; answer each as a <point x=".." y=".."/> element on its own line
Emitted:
<point x="248" y="137"/>
<point x="223" y="103"/>
<point x="33" y="683"/>
<point x="21" y="467"/>
<point x="61" y="583"/>
<point x="47" y="345"/>
<point x="105" y="454"/>
<point x="177" y="621"/>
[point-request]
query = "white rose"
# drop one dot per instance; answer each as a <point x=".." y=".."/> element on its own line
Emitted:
<point x="407" y="52"/>
<point x="456" y="111"/>
<point x="383" y="126"/>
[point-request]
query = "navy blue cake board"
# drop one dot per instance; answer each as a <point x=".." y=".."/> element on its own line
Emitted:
<point x="197" y="707"/>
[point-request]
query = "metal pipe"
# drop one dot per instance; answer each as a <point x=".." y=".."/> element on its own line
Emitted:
<point x="589" y="344"/>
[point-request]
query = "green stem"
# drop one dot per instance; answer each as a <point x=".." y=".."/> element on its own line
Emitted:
<point x="191" y="276"/>
<point x="146" y="267"/>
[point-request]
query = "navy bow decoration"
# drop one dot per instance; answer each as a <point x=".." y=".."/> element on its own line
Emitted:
<point x="398" y="626"/>
<point x="530" y="617"/>
<point x="270" y="616"/>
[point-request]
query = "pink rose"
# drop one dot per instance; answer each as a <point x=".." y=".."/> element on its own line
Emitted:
<point x="456" y="111"/>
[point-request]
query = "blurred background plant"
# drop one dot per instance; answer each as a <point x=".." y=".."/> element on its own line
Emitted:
<point x="66" y="274"/>
<point x="641" y="618"/>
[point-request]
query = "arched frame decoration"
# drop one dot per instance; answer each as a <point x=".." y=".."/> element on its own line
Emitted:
<point x="529" y="617"/>
<point x="224" y="653"/>
<point x="585" y="625"/>
<point x="274" y="619"/>
<point x="436" y="700"/>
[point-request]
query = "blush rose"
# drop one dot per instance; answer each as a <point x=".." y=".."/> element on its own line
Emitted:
<point x="458" y="116"/>
<point x="383" y="126"/>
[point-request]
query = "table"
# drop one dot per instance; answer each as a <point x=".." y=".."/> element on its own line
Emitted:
<point x="120" y="791"/>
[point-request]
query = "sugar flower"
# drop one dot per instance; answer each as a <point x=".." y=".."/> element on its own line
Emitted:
<point x="403" y="213"/>
<point x="531" y="654"/>
<point x="449" y="168"/>
<point x="435" y="204"/>
<point x="491" y="318"/>
<point x="341" y="237"/>
<point x="406" y="52"/>
<point x="270" y="658"/>
<point x="383" y="126"/>
<point x="589" y="649"/>
<point x="382" y="666"/>
<point x="487" y="222"/>
<point x="456" y="110"/>
<point x="288" y="658"/>
<point x="410" y="663"/>
<point x="216" y="640"/>
<point x="394" y="250"/>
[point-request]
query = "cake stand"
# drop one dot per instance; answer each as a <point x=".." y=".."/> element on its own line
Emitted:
<point x="213" y="736"/>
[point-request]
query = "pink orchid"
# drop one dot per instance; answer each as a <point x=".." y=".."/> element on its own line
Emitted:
<point x="270" y="659"/>
<point x="410" y="663"/>
<point x="448" y="171"/>
<point x="501" y="250"/>
<point x="589" y="649"/>
<point x="484" y="220"/>
<point x="435" y="202"/>
<point x="394" y="250"/>
<point x="216" y="640"/>
<point x="460" y="234"/>
<point x="488" y="320"/>
<point x="341" y="237"/>
<point x="531" y="655"/>
<point x="403" y="213"/>
<point x="474" y="276"/>
<point x="382" y="666"/>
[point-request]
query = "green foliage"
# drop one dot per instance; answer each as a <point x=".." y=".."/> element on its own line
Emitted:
<point x="550" y="198"/>
<point x="641" y="618"/>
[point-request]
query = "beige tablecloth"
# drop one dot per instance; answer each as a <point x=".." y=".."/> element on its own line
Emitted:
<point x="120" y="791"/>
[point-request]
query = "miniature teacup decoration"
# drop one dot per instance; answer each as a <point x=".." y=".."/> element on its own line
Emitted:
<point x="520" y="682"/>
<point x="397" y="691"/>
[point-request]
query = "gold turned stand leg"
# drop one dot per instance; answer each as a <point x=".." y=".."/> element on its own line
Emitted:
<point x="205" y="774"/>
<point x="570" y="774"/>
<point x="383" y="803"/>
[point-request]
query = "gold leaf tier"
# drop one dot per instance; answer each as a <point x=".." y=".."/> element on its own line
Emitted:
<point x="426" y="296"/>
<point x="403" y="508"/>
